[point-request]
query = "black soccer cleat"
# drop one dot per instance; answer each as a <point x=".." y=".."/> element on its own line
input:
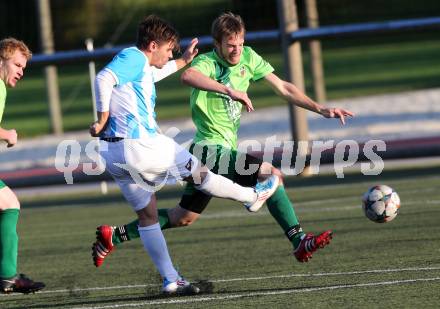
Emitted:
<point x="20" y="284"/>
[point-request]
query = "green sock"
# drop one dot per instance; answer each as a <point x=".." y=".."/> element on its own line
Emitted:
<point x="130" y="230"/>
<point x="8" y="242"/>
<point x="126" y="232"/>
<point x="282" y="210"/>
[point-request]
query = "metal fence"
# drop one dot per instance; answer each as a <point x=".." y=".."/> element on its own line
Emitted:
<point x="304" y="34"/>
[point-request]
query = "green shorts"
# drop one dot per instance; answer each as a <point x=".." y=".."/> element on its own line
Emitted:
<point x="239" y="167"/>
<point x="2" y="184"/>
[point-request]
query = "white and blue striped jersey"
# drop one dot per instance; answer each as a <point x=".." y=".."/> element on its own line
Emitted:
<point x="133" y="98"/>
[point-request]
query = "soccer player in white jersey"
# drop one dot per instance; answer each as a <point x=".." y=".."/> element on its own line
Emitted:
<point x="139" y="158"/>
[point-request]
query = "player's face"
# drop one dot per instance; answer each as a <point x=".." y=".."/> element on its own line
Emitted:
<point x="230" y="48"/>
<point x="162" y="54"/>
<point x="11" y="70"/>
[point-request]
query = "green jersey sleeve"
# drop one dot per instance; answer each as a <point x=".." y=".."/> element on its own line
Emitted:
<point x="204" y="65"/>
<point x="260" y="66"/>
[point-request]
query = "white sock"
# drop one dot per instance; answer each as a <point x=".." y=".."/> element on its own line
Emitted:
<point x="156" y="246"/>
<point x="222" y="187"/>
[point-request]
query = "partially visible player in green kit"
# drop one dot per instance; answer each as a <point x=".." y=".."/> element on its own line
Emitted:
<point x="14" y="55"/>
<point x="219" y="80"/>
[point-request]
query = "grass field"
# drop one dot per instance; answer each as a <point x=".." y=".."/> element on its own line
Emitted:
<point x="242" y="260"/>
<point x="352" y="68"/>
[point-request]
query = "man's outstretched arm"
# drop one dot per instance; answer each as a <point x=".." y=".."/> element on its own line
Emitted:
<point x="291" y="93"/>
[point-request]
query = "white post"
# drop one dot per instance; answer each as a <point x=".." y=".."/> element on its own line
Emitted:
<point x="92" y="75"/>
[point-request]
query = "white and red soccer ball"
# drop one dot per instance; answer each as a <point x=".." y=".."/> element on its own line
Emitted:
<point x="380" y="204"/>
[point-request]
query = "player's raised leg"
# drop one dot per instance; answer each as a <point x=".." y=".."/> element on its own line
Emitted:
<point x="219" y="186"/>
<point x="109" y="236"/>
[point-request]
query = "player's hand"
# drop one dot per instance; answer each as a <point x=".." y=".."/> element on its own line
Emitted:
<point x="95" y="129"/>
<point x="11" y="138"/>
<point x="241" y="97"/>
<point x="336" y="113"/>
<point x="191" y="51"/>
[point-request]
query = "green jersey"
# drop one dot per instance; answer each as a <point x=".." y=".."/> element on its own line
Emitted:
<point x="217" y="116"/>
<point x="2" y="98"/>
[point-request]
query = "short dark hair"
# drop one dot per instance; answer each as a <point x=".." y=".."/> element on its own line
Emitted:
<point x="154" y="28"/>
<point x="225" y="25"/>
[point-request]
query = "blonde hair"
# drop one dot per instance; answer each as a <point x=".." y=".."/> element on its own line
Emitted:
<point x="9" y="45"/>
<point x="227" y="24"/>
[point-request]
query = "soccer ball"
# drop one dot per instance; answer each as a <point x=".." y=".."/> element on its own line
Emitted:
<point x="380" y="204"/>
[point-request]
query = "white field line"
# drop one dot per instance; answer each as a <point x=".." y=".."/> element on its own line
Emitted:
<point x="349" y="273"/>
<point x="253" y="294"/>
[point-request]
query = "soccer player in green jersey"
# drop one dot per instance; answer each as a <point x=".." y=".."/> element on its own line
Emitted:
<point x="14" y="55"/>
<point x="219" y="81"/>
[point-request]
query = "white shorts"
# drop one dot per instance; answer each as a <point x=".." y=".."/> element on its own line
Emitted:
<point x="142" y="166"/>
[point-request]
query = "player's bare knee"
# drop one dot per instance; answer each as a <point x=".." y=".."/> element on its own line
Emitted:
<point x="8" y="199"/>
<point x="15" y="204"/>
<point x="181" y="217"/>
<point x="12" y="204"/>
<point x="266" y="170"/>
<point x="277" y="172"/>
